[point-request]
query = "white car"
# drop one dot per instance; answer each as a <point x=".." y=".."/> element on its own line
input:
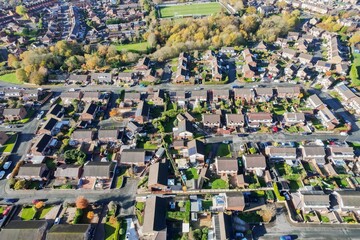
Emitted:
<point x="2" y="173"/>
<point x="7" y="165"/>
<point x="8" y="176"/>
<point x="39" y="116"/>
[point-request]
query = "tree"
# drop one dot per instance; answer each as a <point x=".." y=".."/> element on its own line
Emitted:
<point x="20" y="184"/>
<point x="267" y="212"/>
<point x="152" y="41"/>
<point x="114" y="112"/>
<point x="21" y="10"/>
<point x="21" y="75"/>
<point x="81" y="202"/>
<point x="355" y="38"/>
<point x="90" y="215"/>
<point x="37" y="78"/>
<point x="13" y="61"/>
<point x="38" y="205"/>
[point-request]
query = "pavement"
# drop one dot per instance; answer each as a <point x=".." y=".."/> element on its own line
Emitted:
<point x="281" y="226"/>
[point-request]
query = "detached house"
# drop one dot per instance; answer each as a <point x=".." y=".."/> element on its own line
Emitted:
<point x="315" y="102"/>
<point x="68" y="97"/>
<point x="313" y="152"/>
<point x="49" y="127"/>
<point x="80" y="136"/>
<point x="56" y="111"/>
<point x="89" y="112"/>
<point x="259" y="118"/>
<point x="345" y="93"/>
<point x="291" y="119"/>
<point x="33" y="172"/>
<point x="184" y="130"/>
<point x="158" y="176"/>
<point x="254" y="162"/>
<point x="108" y="135"/>
<point x="133" y="156"/>
<point x="14" y="114"/>
<point x="288" y="53"/>
<point x="322" y="66"/>
<point x="314" y="201"/>
<point x="226" y="166"/>
<point x="183" y="69"/>
<point x="196" y="151"/>
<point x="328" y="118"/>
<point x="102" y="78"/>
<point x="143" y="64"/>
<point x="42" y="145"/>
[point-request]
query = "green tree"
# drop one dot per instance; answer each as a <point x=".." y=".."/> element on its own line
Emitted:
<point x="21" y="75"/>
<point x="21" y="10"/>
<point x="20" y="184"/>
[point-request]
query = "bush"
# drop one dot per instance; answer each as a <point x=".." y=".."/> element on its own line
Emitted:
<point x="74" y="156"/>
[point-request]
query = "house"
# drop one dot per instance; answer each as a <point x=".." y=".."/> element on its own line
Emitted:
<point x="68" y="97"/>
<point x="89" y="97"/>
<point x="134" y="127"/>
<point x="73" y="79"/>
<point x="108" y="135"/>
<point x="42" y="145"/>
<point x="102" y="78"/>
<point x="3" y="138"/>
<point x="20" y="230"/>
<point x="328" y="118"/>
<point x="305" y="58"/>
<point x="31" y="171"/>
<point x="235" y="201"/>
<point x="355" y="104"/>
<point x="273" y="70"/>
<point x="133" y="97"/>
<point x="259" y="118"/>
<point x="200" y="95"/>
<point x="244" y="94"/>
<point x="342" y="68"/>
<point x="313" y="152"/>
<point x="281" y="153"/>
<point x="247" y="71"/>
<point x="31" y="95"/>
<point x="133" y="156"/>
<point x="181" y="97"/>
<point x="340" y="153"/>
<point x="290" y="70"/>
<point x="69" y="231"/>
<point x="142" y="112"/>
<point x="264" y="94"/>
<point x="315" y="102"/>
<point x="158" y="176"/>
<point x="315" y="201"/>
<point x="322" y="66"/>
<point x="150" y="75"/>
<point x="99" y="170"/>
<point x="254" y="162"/>
<point x="349" y="200"/>
<point x="291" y="119"/>
<point x="126" y="77"/>
<point x="68" y="171"/>
<point x="143" y="64"/>
<point x="14" y="114"/>
<point x="182" y="73"/>
<point x="56" y="111"/>
<point x="220" y="95"/>
<point x="154" y="226"/>
<point x="159" y="98"/>
<point x="288" y="92"/>
<point x="293" y="36"/>
<point x="288" y="53"/>
<point x="345" y="93"/>
<point x="184" y="130"/>
<point x="49" y="127"/>
<point x="89" y="112"/>
<point x="211" y="120"/>
<point x="226" y="165"/>
<point x="196" y="151"/>
<point x="261" y="46"/>
<point x="326" y="81"/>
<point x="234" y="120"/>
<point x="82" y="135"/>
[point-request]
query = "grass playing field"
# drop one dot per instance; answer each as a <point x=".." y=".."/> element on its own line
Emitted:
<point x="190" y="9"/>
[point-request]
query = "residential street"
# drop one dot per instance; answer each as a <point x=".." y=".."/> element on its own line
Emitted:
<point x="281" y="226"/>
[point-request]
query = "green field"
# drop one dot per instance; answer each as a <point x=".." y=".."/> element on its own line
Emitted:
<point x="10" y="78"/>
<point x="133" y="47"/>
<point x="189" y="9"/>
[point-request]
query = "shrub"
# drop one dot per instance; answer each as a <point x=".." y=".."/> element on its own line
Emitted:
<point x="75" y="156"/>
<point x="81" y="202"/>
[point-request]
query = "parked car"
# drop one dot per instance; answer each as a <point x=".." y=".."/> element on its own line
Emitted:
<point x="7" y="165"/>
<point x="2" y="174"/>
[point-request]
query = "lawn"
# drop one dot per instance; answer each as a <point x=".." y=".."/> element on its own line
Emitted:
<point x="140" y="206"/>
<point x="294" y="185"/>
<point x="224" y="150"/>
<point x="10" y="78"/>
<point x="45" y="211"/>
<point x="149" y="146"/>
<point x="280" y="168"/>
<point x="219" y="184"/>
<point x="133" y="47"/>
<point x="189" y="9"/>
<point x="8" y="147"/>
<point x="349" y="219"/>
<point x="355" y="70"/>
<point x="27" y="213"/>
<point x="278" y="109"/>
<point x="191" y="173"/>
<point x="119" y="181"/>
<point x="110" y="230"/>
<point x="324" y="219"/>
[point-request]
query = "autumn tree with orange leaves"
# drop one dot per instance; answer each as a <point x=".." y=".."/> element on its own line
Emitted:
<point x="81" y="202"/>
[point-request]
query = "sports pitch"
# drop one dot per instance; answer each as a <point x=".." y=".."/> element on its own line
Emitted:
<point x="190" y="9"/>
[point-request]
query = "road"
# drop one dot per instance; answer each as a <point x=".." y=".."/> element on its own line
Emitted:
<point x="281" y="226"/>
